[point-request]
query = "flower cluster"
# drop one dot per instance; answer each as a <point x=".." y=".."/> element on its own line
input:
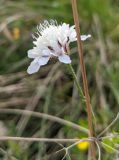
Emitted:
<point x="51" y="40"/>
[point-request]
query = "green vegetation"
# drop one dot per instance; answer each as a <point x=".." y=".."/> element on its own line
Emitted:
<point x="52" y="90"/>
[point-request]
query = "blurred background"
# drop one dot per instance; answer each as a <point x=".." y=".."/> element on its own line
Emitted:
<point x="52" y="90"/>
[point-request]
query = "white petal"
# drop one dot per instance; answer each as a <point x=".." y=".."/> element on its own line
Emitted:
<point x="43" y="60"/>
<point x="84" y="37"/>
<point x="65" y="26"/>
<point x="65" y="59"/>
<point x="33" y="53"/>
<point x="34" y="67"/>
<point x="72" y="37"/>
<point x="72" y="27"/>
<point x="64" y="41"/>
<point x="46" y="52"/>
<point x="53" y="54"/>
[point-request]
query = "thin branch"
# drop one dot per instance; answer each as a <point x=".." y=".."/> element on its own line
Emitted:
<point x="91" y="139"/>
<point x="110" y="125"/>
<point x="99" y="150"/>
<point x="110" y="147"/>
<point x="45" y="116"/>
<point x="66" y="153"/>
<point x="29" y="139"/>
<point x="72" y="145"/>
<point x="76" y="141"/>
<point x="83" y="70"/>
<point x="109" y="136"/>
<point x="81" y="140"/>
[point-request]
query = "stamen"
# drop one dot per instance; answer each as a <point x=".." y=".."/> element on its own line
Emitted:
<point x="41" y="27"/>
<point x="46" y="23"/>
<point x="34" y="37"/>
<point x="67" y="39"/>
<point x="39" y="30"/>
<point x="52" y="22"/>
<point x="59" y="44"/>
<point x="50" y="48"/>
<point x="66" y="48"/>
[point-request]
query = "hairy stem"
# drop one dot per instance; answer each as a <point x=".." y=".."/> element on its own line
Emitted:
<point x="76" y="81"/>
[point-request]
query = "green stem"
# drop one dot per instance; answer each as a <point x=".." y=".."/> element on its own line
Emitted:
<point x="76" y="81"/>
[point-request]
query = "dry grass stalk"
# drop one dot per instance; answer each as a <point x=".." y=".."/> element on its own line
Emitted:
<point x="83" y="70"/>
<point x="31" y="139"/>
<point x="45" y="116"/>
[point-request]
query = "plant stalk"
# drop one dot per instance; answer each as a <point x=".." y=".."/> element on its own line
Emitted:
<point x="84" y="77"/>
<point x="76" y="81"/>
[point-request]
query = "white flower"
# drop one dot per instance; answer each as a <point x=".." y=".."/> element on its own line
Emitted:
<point x="52" y="40"/>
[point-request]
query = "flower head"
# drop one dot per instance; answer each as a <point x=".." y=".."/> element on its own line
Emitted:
<point x="52" y="40"/>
